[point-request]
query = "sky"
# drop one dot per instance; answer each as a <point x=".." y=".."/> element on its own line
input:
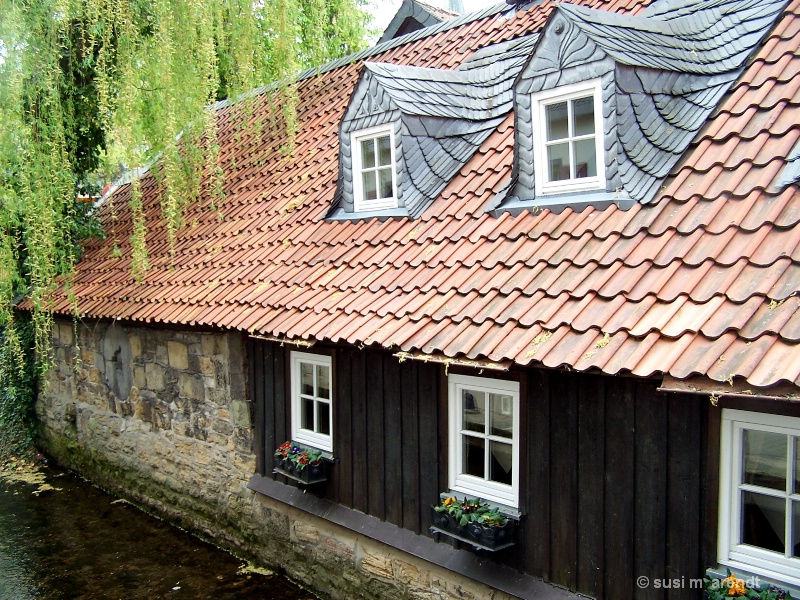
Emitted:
<point x="384" y="10"/>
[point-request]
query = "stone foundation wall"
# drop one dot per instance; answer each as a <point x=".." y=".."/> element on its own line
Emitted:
<point x="161" y="417"/>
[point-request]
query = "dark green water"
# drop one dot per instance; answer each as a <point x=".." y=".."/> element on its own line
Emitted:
<point x="79" y="543"/>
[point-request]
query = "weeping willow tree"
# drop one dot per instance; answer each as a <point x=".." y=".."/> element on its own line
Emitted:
<point x="91" y="88"/>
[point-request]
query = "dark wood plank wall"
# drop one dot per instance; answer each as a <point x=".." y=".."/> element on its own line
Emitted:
<point x="619" y="480"/>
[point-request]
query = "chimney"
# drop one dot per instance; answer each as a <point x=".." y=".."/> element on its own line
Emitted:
<point x="457" y="6"/>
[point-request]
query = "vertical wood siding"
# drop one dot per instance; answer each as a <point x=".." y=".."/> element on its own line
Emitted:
<point x="618" y="480"/>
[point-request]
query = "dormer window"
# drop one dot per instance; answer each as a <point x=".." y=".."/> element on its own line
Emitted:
<point x="374" y="181"/>
<point x="568" y="139"/>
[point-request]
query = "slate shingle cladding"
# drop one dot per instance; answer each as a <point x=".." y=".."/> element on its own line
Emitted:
<point x="441" y="118"/>
<point x="662" y="73"/>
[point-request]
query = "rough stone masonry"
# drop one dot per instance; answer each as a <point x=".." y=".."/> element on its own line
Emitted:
<point x="160" y="416"/>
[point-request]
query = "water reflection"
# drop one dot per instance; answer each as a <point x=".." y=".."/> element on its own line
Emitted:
<point x="80" y="543"/>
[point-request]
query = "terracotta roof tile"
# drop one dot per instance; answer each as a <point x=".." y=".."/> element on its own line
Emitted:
<point x="703" y="280"/>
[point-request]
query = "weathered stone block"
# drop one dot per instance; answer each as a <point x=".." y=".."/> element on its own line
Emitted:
<point x="178" y="355"/>
<point x="223" y="427"/>
<point x="405" y="572"/>
<point x="240" y="414"/>
<point x="243" y="440"/>
<point x="377" y="565"/>
<point x="206" y="365"/>
<point x="161" y="355"/>
<point x="182" y="428"/>
<point x="136" y="346"/>
<point x="139" y="378"/>
<point x="337" y="549"/>
<point x="244" y="463"/>
<point x="65" y="334"/>
<point x="208" y="342"/>
<point x="154" y="374"/>
<point x="159" y="415"/>
<point x="275" y="523"/>
<point x="185" y="447"/>
<point x="304" y="533"/>
<point x="191" y="386"/>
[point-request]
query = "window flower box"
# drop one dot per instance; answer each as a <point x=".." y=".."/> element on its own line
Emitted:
<point x="304" y="465"/>
<point x="474" y="523"/>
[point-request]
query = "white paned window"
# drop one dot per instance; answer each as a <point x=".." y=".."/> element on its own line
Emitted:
<point x="759" y="519"/>
<point x="484" y="438"/>
<point x="312" y="400"/>
<point x="568" y="139"/>
<point x="374" y="170"/>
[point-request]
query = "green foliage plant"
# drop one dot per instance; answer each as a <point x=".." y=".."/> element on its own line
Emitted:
<point x="301" y="457"/>
<point x="472" y="511"/>
<point x="17" y="389"/>
<point x="92" y="90"/>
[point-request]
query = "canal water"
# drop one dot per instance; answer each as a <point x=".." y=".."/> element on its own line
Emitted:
<point x="76" y="541"/>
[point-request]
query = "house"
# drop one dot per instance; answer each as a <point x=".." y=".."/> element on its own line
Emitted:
<point x="414" y="15"/>
<point x="547" y="255"/>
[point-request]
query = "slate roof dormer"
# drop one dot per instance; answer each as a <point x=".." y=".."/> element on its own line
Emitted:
<point x="661" y="74"/>
<point x="439" y="118"/>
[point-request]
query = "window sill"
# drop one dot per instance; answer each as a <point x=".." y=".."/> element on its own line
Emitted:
<point x="501" y="577"/>
<point x="390" y="213"/>
<point x="557" y="203"/>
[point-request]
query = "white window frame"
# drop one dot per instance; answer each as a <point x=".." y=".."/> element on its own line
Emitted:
<point x="307" y="436"/>
<point x="507" y="495"/>
<point x="539" y="101"/>
<point x="360" y="204"/>
<point x="742" y="557"/>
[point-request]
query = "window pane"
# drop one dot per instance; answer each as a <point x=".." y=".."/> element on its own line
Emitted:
<point x="583" y="116"/>
<point x="306" y="379"/>
<point x="370" y="188"/>
<point x="323" y="382"/>
<point x="473" y="458"/>
<point x="473" y="410"/>
<point x="384" y="151"/>
<point x="324" y="418"/>
<point x="797" y="466"/>
<point x="557" y="121"/>
<point x="558" y="161"/>
<point x="368" y="153"/>
<point x="763" y="521"/>
<point x="502" y="415"/>
<point x="796" y="529"/>
<point x="307" y="414"/>
<point x="585" y="152"/>
<point x="764" y="459"/>
<point x="385" y="178"/>
<point x="501" y="462"/>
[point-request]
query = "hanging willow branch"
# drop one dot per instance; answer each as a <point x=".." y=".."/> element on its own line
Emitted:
<point x="90" y="89"/>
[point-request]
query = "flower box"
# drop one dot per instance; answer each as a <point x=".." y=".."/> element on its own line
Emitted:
<point x="484" y="537"/>
<point x="300" y="464"/>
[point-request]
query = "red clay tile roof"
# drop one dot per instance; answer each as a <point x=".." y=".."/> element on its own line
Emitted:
<point x="703" y="281"/>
